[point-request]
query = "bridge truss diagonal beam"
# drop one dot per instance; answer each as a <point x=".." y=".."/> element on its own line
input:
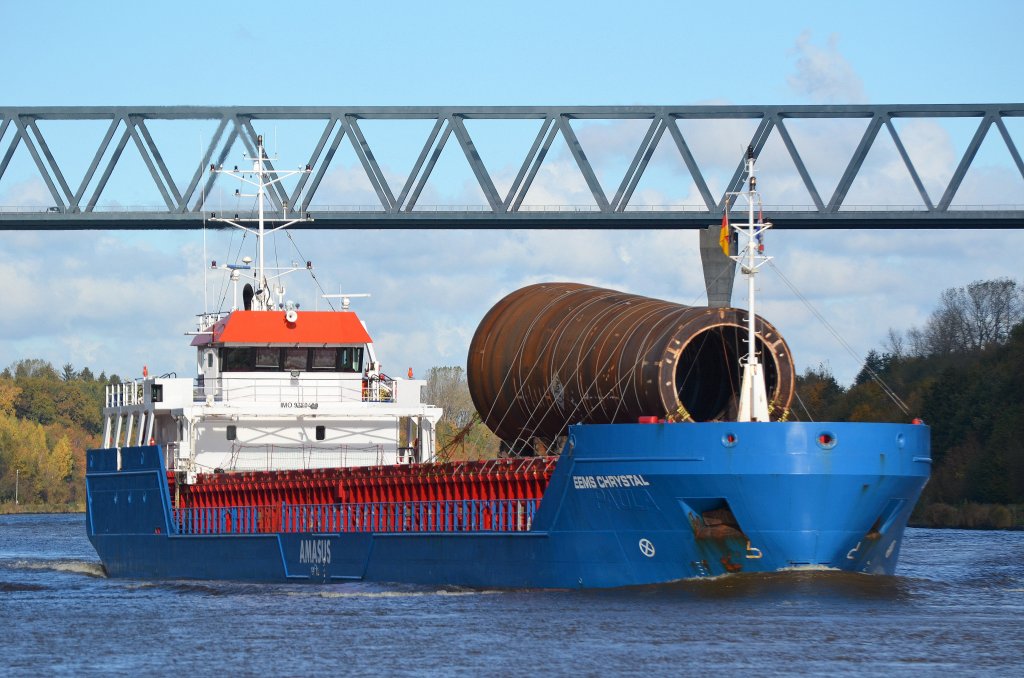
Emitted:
<point x="184" y="200"/>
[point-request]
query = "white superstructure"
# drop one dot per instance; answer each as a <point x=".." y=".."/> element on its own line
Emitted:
<point x="277" y="388"/>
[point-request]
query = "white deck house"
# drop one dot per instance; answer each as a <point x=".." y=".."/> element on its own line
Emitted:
<point x="276" y="391"/>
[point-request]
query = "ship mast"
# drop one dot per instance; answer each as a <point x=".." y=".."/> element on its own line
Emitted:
<point x="753" y="404"/>
<point x="261" y="176"/>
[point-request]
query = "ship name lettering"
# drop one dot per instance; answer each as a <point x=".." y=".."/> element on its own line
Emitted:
<point x="314" y="551"/>
<point x="299" y="405"/>
<point x="601" y="482"/>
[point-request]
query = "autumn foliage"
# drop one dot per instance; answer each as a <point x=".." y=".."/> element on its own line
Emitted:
<point x="963" y="374"/>
<point x="47" y="421"/>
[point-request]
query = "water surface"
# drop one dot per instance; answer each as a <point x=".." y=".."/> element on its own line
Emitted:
<point x="957" y="605"/>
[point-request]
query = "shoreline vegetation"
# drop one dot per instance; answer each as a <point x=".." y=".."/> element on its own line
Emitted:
<point x="959" y="373"/>
<point x="10" y="508"/>
<point x="968" y="516"/>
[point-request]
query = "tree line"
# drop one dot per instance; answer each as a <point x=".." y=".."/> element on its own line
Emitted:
<point x="961" y="372"/>
<point x="48" y="418"/>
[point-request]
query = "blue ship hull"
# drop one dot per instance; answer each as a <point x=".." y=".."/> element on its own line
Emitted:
<point x="627" y="504"/>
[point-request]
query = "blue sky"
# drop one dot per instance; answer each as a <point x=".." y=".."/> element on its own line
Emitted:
<point x="115" y="301"/>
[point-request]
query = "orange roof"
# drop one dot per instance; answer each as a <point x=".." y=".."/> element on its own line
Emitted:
<point x="312" y="328"/>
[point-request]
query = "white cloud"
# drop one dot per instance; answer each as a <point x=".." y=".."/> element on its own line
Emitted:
<point x="30" y="192"/>
<point x="115" y="302"/>
<point x="823" y="75"/>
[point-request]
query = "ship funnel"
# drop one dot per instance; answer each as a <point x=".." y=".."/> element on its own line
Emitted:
<point x="554" y="354"/>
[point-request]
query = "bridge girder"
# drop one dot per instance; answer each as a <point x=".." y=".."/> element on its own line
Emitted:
<point x="79" y="207"/>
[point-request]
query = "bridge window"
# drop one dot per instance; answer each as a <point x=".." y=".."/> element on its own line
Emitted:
<point x="268" y="358"/>
<point x="324" y="359"/>
<point x="273" y="358"/>
<point x="295" y="358"/>
<point x="321" y="432"/>
<point x="351" y="359"/>
<point x="232" y="432"/>
<point x="238" y="359"/>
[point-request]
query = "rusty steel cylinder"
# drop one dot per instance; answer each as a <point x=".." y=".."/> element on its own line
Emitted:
<point x="553" y="354"/>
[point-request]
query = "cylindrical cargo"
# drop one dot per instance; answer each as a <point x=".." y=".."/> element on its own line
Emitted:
<point x="552" y="354"/>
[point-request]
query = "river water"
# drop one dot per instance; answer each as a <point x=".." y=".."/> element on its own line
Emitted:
<point x="957" y="605"/>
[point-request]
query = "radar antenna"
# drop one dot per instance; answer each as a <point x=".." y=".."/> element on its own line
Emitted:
<point x="261" y="176"/>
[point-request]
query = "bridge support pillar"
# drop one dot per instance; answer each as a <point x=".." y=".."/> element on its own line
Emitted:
<point x="719" y="270"/>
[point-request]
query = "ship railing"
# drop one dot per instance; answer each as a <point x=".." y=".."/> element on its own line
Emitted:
<point x="379" y="388"/>
<point x="441" y="515"/>
<point x="281" y="390"/>
<point x="458" y="515"/>
<point x="171" y="451"/>
<point x="224" y="520"/>
<point x="270" y="456"/>
<point x="124" y="394"/>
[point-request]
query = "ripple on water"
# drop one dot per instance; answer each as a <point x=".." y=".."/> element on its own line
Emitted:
<point x="86" y="567"/>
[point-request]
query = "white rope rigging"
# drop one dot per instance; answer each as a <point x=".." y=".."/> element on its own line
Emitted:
<point x="842" y="342"/>
<point x="534" y="420"/>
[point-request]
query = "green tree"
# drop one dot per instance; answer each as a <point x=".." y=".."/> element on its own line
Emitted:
<point x="56" y="472"/>
<point x="819" y="395"/>
<point x="448" y="389"/>
<point x="9" y="392"/>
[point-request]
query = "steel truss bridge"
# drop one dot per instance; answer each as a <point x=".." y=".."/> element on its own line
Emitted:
<point x="79" y="207"/>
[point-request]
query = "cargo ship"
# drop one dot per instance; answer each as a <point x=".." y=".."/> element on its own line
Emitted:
<point x="643" y="442"/>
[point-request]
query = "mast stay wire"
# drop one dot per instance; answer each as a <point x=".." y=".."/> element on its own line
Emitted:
<point x="518" y="354"/>
<point x="311" y="273"/>
<point x="226" y="281"/>
<point x="801" y="401"/>
<point x="842" y="342"/>
<point x="628" y="374"/>
<point x="625" y="375"/>
<point x="573" y="376"/>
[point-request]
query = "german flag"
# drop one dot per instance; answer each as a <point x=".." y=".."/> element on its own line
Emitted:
<point x="723" y="235"/>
